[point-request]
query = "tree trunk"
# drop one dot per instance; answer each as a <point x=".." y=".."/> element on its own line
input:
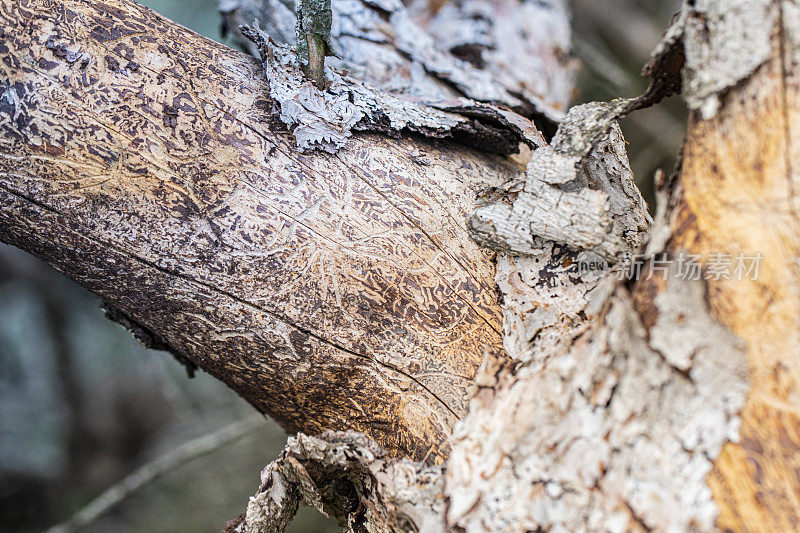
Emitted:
<point x="343" y="290"/>
<point x="676" y="407"/>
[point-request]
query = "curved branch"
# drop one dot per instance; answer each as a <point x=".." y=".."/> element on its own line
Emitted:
<point x="331" y="291"/>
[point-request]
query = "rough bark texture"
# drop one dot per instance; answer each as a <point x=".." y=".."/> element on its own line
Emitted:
<point x="340" y="290"/>
<point x="664" y="402"/>
<point x="508" y="52"/>
<point x="570" y="457"/>
<point x="331" y="291"/>
<point x="578" y="192"/>
<point x="619" y="442"/>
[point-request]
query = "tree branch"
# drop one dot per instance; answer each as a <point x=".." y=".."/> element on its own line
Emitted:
<point x="331" y="291"/>
<point x="151" y="471"/>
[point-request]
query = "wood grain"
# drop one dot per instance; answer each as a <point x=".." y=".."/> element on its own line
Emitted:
<point x="739" y="180"/>
<point x="330" y="291"/>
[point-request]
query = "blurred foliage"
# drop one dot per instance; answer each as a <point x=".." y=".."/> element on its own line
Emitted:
<point x="198" y="15"/>
<point x="82" y="404"/>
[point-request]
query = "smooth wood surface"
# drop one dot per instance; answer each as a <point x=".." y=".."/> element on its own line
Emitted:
<point x="740" y="181"/>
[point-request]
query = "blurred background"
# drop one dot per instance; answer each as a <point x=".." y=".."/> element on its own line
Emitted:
<point x="84" y="408"/>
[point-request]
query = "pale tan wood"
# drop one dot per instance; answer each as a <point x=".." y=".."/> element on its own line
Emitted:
<point x="739" y="179"/>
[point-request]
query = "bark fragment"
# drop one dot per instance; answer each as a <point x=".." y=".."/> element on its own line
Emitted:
<point x="349" y="477"/>
<point x="578" y="192"/>
<point x="325" y="119"/>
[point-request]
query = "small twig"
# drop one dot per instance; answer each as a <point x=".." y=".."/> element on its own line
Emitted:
<point x="316" y="60"/>
<point x="314" y="20"/>
<point x="145" y="474"/>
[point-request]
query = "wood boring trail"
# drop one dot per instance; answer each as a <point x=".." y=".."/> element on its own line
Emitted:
<point x="366" y="256"/>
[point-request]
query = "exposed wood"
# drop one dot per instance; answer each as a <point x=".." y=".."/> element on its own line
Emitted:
<point x="739" y="179"/>
<point x="331" y="291"/>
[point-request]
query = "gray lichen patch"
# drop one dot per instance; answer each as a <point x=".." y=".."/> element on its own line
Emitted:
<point x="325" y="119"/>
<point x="619" y="431"/>
<point x="348" y="477"/>
<point x="544" y="298"/>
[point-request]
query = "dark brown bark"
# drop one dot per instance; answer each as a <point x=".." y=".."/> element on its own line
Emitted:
<point x="331" y="291"/>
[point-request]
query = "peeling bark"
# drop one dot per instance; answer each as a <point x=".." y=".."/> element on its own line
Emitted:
<point x="349" y="477"/>
<point x="509" y="53"/>
<point x="577" y="192"/>
<point x="325" y="119"/>
<point x="723" y="42"/>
